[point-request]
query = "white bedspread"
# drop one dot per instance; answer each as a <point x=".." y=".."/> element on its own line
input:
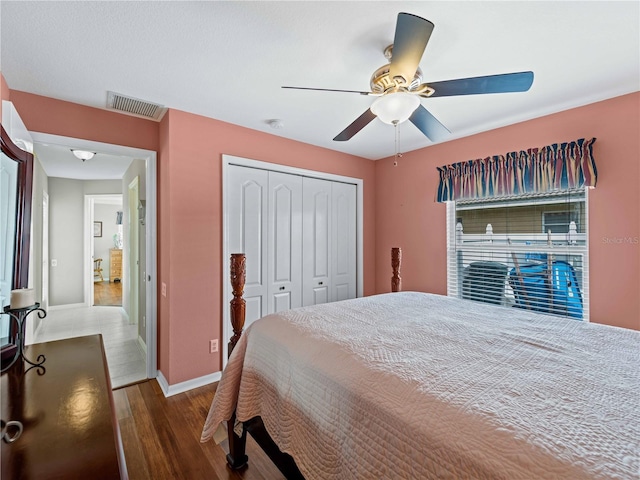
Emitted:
<point x="416" y="386"/>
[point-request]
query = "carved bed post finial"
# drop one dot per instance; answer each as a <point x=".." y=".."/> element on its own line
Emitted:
<point x="237" y="458"/>
<point x="237" y="311"/>
<point x="396" y="257"/>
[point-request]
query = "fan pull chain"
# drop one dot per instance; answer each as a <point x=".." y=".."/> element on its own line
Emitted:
<point x="398" y="155"/>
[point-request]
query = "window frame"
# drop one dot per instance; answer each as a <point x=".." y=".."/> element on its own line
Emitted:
<point x="454" y="247"/>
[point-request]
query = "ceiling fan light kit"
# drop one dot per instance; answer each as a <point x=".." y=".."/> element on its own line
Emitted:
<point x="395" y="107"/>
<point x="399" y="84"/>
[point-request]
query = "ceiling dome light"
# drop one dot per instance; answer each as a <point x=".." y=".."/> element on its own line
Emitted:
<point x="83" y="154"/>
<point x="396" y="107"/>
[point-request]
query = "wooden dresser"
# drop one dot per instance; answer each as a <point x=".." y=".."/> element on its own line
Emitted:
<point x="70" y="426"/>
<point x="115" y="264"/>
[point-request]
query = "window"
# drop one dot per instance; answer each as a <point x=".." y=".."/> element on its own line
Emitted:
<point x="528" y="251"/>
<point x="559" y="222"/>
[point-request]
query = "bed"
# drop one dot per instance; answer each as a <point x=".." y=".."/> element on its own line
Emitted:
<point x="415" y="385"/>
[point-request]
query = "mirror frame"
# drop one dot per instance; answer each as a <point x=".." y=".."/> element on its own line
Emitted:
<point x="23" y="223"/>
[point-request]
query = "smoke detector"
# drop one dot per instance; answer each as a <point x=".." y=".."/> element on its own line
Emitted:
<point x="275" y="123"/>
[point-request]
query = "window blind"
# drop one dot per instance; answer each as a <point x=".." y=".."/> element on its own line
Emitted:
<point x="525" y="251"/>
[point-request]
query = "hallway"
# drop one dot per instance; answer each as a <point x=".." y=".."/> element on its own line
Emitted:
<point x="125" y="357"/>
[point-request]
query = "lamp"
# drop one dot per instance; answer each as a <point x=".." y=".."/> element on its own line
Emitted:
<point x="83" y="154"/>
<point x="396" y="107"/>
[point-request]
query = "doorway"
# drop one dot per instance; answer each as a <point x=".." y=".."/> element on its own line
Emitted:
<point x="106" y="253"/>
<point x="90" y="317"/>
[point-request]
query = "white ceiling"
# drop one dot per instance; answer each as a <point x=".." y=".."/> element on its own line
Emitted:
<point x="58" y="161"/>
<point x="110" y="161"/>
<point x="228" y="60"/>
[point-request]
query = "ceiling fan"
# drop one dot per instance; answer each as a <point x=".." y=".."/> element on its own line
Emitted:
<point x="399" y="86"/>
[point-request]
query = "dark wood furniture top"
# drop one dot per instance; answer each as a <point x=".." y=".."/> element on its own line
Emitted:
<point x="70" y="428"/>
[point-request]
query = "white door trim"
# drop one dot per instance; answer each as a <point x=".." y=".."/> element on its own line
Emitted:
<point x="151" y="280"/>
<point x="228" y="160"/>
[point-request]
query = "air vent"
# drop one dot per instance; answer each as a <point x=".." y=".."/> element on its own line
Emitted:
<point x="134" y="106"/>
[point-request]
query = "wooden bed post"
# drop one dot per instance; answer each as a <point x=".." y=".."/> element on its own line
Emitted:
<point x="237" y="310"/>
<point x="396" y="280"/>
<point x="237" y="457"/>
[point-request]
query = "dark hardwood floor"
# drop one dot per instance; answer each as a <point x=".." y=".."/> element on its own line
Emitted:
<point x="161" y="437"/>
<point x="107" y="293"/>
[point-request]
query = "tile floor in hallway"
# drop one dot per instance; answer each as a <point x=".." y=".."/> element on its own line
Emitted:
<point x="125" y="356"/>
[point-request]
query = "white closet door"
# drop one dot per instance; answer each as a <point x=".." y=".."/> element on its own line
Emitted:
<point x="247" y="207"/>
<point x="343" y="242"/>
<point x="316" y="233"/>
<point x="285" y="242"/>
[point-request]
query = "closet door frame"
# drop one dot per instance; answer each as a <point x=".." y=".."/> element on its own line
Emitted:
<point x="229" y="160"/>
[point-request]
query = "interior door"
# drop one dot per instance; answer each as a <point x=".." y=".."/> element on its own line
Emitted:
<point x="285" y="242"/>
<point x="316" y="233"/>
<point x="247" y="207"/>
<point x="134" y="251"/>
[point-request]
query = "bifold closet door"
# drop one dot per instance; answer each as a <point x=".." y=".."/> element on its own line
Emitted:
<point x="247" y="200"/>
<point x="343" y="242"/>
<point x="316" y="240"/>
<point x="265" y="223"/>
<point x="329" y="241"/>
<point x="299" y="237"/>
<point x="284" y="242"/>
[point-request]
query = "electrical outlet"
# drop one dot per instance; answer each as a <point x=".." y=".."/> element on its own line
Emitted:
<point x="213" y="346"/>
<point x="164" y="289"/>
<point x="54" y="263"/>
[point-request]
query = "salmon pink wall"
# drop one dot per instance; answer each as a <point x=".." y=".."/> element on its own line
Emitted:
<point x="57" y="117"/>
<point x="191" y="266"/>
<point x="407" y="215"/>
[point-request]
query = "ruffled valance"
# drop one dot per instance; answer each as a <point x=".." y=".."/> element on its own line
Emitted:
<point x="561" y="166"/>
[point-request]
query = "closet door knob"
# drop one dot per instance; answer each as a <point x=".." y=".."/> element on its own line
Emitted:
<point x="319" y="283"/>
<point x="282" y="287"/>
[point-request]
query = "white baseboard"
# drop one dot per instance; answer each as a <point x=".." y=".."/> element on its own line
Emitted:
<point x="142" y="345"/>
<point x="182" y="387"/>
<point x="51" y="308"/>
